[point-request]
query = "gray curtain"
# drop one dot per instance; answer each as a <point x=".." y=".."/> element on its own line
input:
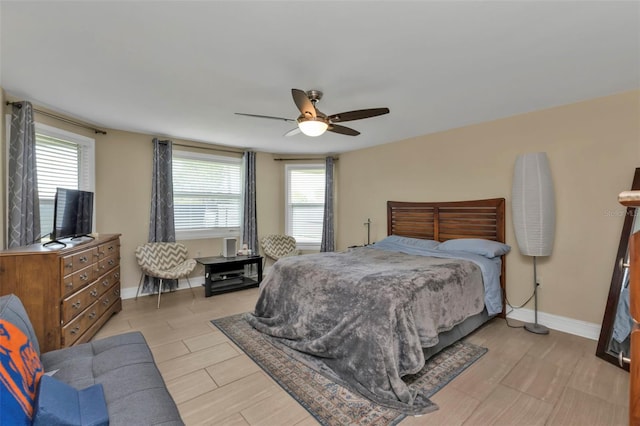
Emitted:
<point x="23" y="205"/>
<point x="328" y="242"/>
<point x="161" y="223"/>
<point x="249" y="215"/>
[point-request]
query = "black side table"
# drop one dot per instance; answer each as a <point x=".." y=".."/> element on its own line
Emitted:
<point x="223" y="274"/>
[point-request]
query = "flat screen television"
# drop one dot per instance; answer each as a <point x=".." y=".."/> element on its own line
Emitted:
<point x="73" y="214"/>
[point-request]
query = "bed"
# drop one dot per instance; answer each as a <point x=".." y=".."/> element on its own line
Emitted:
<point x="370" y="315"/>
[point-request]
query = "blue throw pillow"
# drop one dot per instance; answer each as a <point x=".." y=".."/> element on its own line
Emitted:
<point x="59" y="404"/>
<point x="410" y="242"/>
<point x="20" y="372"/>
<point x="486" y="248"/>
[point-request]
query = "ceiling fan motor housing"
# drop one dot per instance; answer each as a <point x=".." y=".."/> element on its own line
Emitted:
<point x="314" y="95"/>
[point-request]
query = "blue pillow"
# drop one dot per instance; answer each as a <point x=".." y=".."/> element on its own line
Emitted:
<point x="20" y="373"/>
<point x="410" y="242"/>
<point x="58" y="403"/>
<point x="486" y="248"/>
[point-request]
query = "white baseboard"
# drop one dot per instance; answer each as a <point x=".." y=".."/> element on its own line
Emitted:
<point x="555" y="322"/>
<point x="130" y="292"/>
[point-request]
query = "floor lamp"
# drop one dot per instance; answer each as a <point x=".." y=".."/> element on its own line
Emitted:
<point x="533" y="208"/>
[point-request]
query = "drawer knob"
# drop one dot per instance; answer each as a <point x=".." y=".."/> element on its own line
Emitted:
<point x="77" y="304"/>
<point x="84" y="277"/>
<point x="111" y="262"/>
<point x="105" y="302"/>
<point x="92" y="315"/>
<point x="105" y="283"/>
<point x="94" y="292"/>
<point x="68" y="265"/>
<point x="83" y="259"/>
<point x="75" y="330"/>
<point x="70" y="285"/>
<point x="116" y="275"/>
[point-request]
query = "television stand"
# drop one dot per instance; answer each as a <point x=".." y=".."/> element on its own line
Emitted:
<point x="224" y="274"/>
<point x="70" y="241"/>
<point x="76" y="237"/>
<point x="48" y="243"/>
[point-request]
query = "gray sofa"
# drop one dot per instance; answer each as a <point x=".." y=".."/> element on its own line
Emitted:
<point x="134" y="390"/>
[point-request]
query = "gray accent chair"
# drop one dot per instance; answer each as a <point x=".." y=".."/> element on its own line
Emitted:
<point x="134" y="390"/>
<point x="276" y="246"/>
<point x="165" y="261"/>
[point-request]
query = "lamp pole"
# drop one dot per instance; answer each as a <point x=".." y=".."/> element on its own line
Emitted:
<point x="368" y="225"/>
<point x="535" y="327"/>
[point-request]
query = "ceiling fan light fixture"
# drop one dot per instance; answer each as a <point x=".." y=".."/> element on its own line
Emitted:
<point x="313" y="126"/>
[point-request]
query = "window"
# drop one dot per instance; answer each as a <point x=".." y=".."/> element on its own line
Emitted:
<point x="63" y="159"/>
<point x="207" y="195"/>
<point x="305" y="203"/>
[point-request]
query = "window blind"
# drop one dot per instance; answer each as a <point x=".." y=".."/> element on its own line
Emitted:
<point x="57" y="163"/>
<point x="64" y="160"/>
<point x="206" y="191"/>
<point x="305" y="204"/>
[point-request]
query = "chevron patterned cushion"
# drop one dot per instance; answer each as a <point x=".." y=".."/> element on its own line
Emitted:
<point x="164" y="260"/>
<point x="277" y="246"/>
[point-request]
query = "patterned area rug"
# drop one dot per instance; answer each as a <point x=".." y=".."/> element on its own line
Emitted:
<point x="330" y="403"/>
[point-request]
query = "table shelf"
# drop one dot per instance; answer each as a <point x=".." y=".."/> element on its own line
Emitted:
<point x="216" y="281"/>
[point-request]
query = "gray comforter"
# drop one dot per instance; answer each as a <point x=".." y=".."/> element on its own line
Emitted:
<point x="364" y="315"/>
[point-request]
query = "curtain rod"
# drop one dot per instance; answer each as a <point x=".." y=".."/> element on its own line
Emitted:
<point x="57" y="117"/>
<point x="204" y="147"/>
<point x="303" y="159"/>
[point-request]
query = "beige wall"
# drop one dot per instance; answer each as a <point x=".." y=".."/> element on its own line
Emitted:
<point x="123" y="192"/>
<point x="123" y="196"/>
<point x="593" y="148"/>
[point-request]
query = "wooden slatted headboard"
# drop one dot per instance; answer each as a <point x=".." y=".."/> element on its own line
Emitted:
<point x="450" y="220"/>
<point x="447" y="220"/>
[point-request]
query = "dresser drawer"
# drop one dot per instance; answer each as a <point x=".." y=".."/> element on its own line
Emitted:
<point x="109" y="249"/>
<point x="109" y="279"/>
<point x="107" y="263"/>
<point x="108" y="299"/>
<point x="76" y="328"/>
<point x="75" y="262"/>
<point x="78" y="302"/>
<point x="77" y="280"/>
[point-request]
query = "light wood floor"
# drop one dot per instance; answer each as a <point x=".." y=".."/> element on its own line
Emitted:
<point x="524" y="379"/>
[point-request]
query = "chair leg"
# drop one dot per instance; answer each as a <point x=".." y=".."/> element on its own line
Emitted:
<point x="159" y="292"/>
<point x="140" y="284"/>
<point x="189" y="282"/>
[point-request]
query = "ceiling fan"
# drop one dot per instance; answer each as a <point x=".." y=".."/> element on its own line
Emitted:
<point x="313" y="122"/>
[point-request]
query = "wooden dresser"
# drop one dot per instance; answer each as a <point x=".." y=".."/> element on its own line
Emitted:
<point x="69" y="293"/>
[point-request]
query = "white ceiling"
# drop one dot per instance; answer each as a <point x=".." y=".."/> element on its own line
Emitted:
<point x="181" y="69"/>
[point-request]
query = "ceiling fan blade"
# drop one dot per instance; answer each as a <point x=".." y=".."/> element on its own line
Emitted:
<point x="293" y="132"/>
<point x="264" y="116"/>
<point x="358" y="114"/>
<point x="303" y="103"/>
<point x="335" y="128"/>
